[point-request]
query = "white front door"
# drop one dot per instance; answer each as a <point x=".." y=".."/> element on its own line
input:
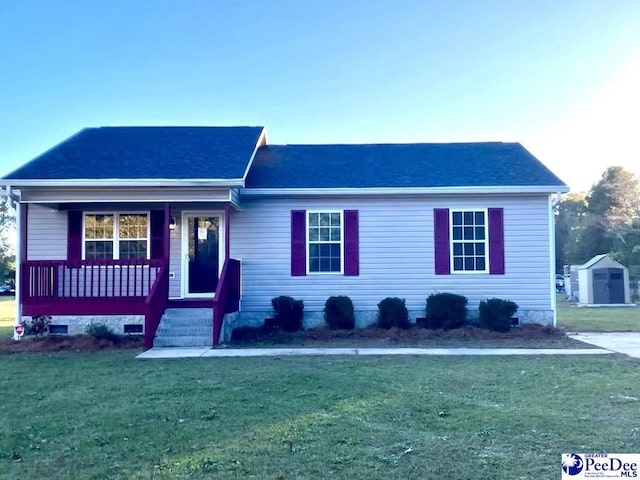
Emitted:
<point x="202" y="252"/>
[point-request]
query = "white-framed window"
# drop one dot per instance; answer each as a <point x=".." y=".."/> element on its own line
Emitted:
<point x="113" y="235"/>
<point x="325" y="240"/>
<point x="469" y="241"/>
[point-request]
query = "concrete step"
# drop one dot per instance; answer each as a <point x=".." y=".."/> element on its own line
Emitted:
<point x="185" y="327"/>
<point x="189" y="312"/>
<point x="178" y="331"/>
<point x="186" y="322"/>
<point x="182" y="341"/>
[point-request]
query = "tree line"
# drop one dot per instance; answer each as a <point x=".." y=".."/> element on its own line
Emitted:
<point x="604" y="220"/>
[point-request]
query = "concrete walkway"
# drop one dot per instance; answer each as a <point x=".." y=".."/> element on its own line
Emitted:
<point x="168" y="352"/>
<point x="621" y="342"/>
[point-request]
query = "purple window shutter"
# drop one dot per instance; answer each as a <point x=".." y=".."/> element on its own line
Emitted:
<point x="298" y="243"/>
<point x="74" y="235"/>
<point x="351" y="244"/>
<point x="496" y="241"/>
<point x="441" y="244"/>
<point x="156" y="227"/>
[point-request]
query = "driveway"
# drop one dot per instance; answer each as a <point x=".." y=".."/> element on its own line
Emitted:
<point x="621" y="342"/>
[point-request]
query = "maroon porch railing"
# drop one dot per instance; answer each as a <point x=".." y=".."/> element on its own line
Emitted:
<point x="227" y="298"/>
<point x="47" y="279"/>
<point x="155" y="305"/>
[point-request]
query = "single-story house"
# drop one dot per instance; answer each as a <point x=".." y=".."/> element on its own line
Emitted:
<point x="177" y="231"/>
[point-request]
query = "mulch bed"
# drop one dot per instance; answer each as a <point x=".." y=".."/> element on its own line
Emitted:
<point x="68" y="343"/>
<point x="526" y="336"/>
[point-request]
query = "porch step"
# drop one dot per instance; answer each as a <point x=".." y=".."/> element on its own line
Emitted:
<point x="185" y="327"/>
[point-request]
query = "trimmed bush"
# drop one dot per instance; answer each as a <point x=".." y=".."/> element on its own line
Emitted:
<point x="446" y="310"/>
<point x="100" y="331"/>
<point x="392" y="312"/>
<point x="287" y="313"/>
<point x="339" y="313"/>
<point x="496" y="313"/>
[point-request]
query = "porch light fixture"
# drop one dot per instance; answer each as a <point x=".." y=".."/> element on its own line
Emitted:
<point x="172" y="223"/>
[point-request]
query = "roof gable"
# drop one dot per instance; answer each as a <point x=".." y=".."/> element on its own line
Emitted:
<point x="420" y="165"/>
<point x="181" y="153"/>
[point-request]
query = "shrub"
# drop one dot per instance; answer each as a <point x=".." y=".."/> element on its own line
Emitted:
<point x="446" y="310"/>
<point x="288" y="313"/>
<point x="100" y="331"/>
<point x="496" y="313"/>
<point x="38" y="325"/>
<point x="339" y="314"/>
<point x="392" y="312"/>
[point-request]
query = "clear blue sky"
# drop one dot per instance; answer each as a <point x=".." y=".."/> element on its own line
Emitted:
<point x="560" y="76"/>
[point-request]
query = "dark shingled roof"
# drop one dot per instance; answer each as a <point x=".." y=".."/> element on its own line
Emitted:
<point x="181" y="153"/>
<point x="398" y="165"/>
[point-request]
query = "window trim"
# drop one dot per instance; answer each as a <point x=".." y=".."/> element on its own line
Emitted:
<point x="307" y="241"/>
<point x="116" y="231"/>
<point x="487" y="267"/>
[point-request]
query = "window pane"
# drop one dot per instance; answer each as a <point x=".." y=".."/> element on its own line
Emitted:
<point x="132" y="225"/>
<point x="479" y="218"/>
<point x="457" y="218"/>
<point x="133" y="249"/>
<point x="314" y="250"/>
<point x="468" y="218"/>
<point x="335" y="264"/>
<point x="479" y="233"/>
<point x="468" y="263"/>
<point x="98" y="226"/>
<point x="324" y="219"/>
<point x="457" y="233"/>
<point x="335" y="219"/>
<point x="480" y="263"/>
<point x="314" y="235"/>
<point x="314" y="219"/>
<point x="457" y="263"/>
<point x="104" y="226"/>
<point x="468" y="248"/>
<point x="457" y="249"/>
<point x="468" y="233"/>
<point x="325" y="265"/>
<point x="335" y="249"/>
<point x="314" y="265"/>
<point x="325" y="249"/>
<point x="479" y="248"/>
<point x="98" y="250"/>
<point x="335" y="234"/>
<point x="324" y="234"/>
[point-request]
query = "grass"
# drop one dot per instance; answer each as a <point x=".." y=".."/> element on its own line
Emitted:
<point x="597" y="319"/>
<point x="7" y="316"/>
<point x="107" y="415"/>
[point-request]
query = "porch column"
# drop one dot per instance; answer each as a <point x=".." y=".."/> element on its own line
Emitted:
<point x="22" y="218"/>
<point x="227" y="229"/>
<point x="166" y="235"/>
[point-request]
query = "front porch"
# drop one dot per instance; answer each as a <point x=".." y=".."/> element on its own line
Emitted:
<point x="205" y="275"/>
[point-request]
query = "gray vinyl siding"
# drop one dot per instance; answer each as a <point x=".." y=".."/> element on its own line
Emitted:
<point x="46" y="233"/>
<point x="396" y="252"/>
<point x="175" y="255"/>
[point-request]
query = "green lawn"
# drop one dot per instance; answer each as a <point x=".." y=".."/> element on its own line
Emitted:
<point x="108" y="415"/>
<point x="7" y="316"/>
<point x="597" y="319"/>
